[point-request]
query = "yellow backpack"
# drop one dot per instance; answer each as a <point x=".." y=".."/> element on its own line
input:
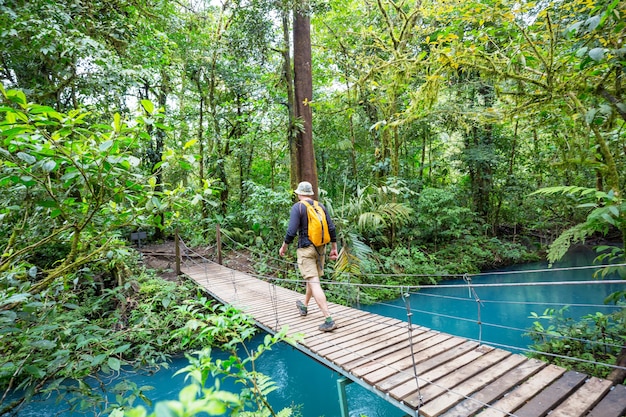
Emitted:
<point x="318" y="226"/>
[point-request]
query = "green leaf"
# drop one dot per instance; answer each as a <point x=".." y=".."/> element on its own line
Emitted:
<point x="117" y="122"/>
<point x="607" y="218"/>
<point x="119" y="412"/>
<point x="47" y="203"/>
<point x="148" y="106"/>
<point x="597" y="54"/>
<point x="28" y="158"/>
<point x="16" y="298"/>
<point x="593" y="22"/>
<point x="168" y="409"/>
<point x="32" y="272"/>
<point x="34" y="371"/>
<point x="188" y="394"/>
<point x="43" y="344"/>
<point x="105" y="146"/>
<point x="190" y="143"/>
<point x="49" y="166"/>
<point x="98" y="359"/>
<point x="121" y="349"/>
<point x="114" y="363"/>
<point x="17" y="96"/>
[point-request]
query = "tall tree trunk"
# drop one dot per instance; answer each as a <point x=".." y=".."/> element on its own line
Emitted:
<point x="292" y="136"/>
<point x="204" y="208"/>
<point x="303" y="82"/>
<point x="160" y="144"/>
<point x="154" y="152"/>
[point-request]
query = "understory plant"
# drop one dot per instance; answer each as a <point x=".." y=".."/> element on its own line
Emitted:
<point x="70" y="337"/>
<point x="584" y="345"/>
<point x="204" y="374"/>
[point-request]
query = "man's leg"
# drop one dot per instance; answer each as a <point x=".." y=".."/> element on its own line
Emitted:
<point x="311" y="268"/>
<point x="314" y="289"/>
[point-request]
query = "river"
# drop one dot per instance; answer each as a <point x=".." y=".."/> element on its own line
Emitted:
<point x="504" y="312"/>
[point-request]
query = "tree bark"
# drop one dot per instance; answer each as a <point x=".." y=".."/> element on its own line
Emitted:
<point x="292" y="137"/>
<point x="303" y="91"/>
<point x="619" y="375"/>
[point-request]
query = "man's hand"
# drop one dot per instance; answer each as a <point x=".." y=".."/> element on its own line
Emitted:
<point x="282" y="249"/>
<point x="333" y="252"/>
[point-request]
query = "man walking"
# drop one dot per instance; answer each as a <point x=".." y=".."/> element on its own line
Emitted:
<point x="310" y="257"/>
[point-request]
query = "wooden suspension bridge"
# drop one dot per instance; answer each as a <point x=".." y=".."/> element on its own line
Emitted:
<point x="421" y="371"/>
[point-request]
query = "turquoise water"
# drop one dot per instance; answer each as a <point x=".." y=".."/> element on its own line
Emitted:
<point x="505" y="312"/>
<point x="313" y="387"/>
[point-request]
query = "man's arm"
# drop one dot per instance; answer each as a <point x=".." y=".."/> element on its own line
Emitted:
<point x="333" y="236"/>
<point x="292" y="229"/>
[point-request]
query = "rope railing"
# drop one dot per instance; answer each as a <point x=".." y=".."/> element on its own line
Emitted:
<point x="408" y="291"/>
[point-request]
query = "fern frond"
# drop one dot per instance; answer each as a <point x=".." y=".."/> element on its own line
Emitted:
<point x="570" y="189"/>
<point x="371" y="221"/>
<point x="397" y="213"/>
<point x="561" y="244"/>
<point x="264" y="383"/>
<point x="351" y="256"/>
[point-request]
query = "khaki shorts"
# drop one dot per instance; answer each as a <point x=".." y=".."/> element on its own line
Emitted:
<point x="311" y="261"/>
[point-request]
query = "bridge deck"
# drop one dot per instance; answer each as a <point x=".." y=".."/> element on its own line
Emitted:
<point x="457" y="377"/>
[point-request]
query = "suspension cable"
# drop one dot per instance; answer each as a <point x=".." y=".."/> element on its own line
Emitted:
<point x="409" y="314"/>
<point x="405" y="290"/>
<point x="472" y="293"/>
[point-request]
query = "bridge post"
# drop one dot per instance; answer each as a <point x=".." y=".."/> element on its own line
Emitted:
<point x="177" y="249"/>
<point x="343" y="398"/>
<point x="219" y="244"/>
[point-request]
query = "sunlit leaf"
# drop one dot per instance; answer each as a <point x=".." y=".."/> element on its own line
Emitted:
<point x="49" y="165"/>
<point x="597" y="54"/>
<point x="148" y="106"/>
<point x="114" y="363"/>
<point x="28" y="158"/>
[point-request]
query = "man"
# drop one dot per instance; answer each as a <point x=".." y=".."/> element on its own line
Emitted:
<point x="310" y="257"/>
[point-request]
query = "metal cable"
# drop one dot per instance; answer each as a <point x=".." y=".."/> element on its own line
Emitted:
<point x="472" y="294"/>
<point x="409" y="313"/>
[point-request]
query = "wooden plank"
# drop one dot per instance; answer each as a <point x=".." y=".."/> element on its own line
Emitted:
<point x="402" y="359"/>
<point x="446" y="401"/>
<point x="454" y="373"/>
<point x="401" y="378"/>
<point x="353" y="340"/>
<point x="553" y="395"/>
<point x="496" y="389"/>
<point x="365" y="344"/>
<point x="408" y="391"/>
<point x="318" y="341"/>
<point x="583" y="399"/>
<point x="612" y="405"/>
<point x="353" y="360"/>
<point x="393" y="336"/>
<point x="360" y="330"/>
<point x="522" y="393"/>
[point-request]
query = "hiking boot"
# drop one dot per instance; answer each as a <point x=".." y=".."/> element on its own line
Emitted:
<point x="302" y="308"/>
<point x="328" y="326"/>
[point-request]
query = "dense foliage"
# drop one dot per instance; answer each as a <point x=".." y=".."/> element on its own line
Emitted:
<point x="52" y="341"/>
<point x="450" y="137"/>
<point x="596" y="339"/>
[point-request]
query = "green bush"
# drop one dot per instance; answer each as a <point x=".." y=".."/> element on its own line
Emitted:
<point x="595" y="338"/>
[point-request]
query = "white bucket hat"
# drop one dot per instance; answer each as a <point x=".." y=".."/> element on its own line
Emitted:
<point x="304" y="188"/>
